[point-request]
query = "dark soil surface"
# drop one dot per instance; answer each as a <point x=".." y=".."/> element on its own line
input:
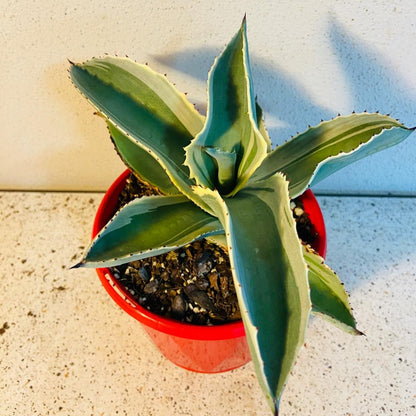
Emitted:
<point x="194" y="283"/>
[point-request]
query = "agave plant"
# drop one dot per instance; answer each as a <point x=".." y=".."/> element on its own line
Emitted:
<point x="221" y="180"/>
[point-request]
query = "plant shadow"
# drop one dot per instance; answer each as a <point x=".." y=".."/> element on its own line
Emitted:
<point x="369" y="79"/>
<point x="275" y="83"/>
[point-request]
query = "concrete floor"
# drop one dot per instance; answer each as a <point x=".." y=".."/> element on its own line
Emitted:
<point x="67" y="349"/>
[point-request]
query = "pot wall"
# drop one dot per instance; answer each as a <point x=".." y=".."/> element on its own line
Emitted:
<point x="208" y="349"/>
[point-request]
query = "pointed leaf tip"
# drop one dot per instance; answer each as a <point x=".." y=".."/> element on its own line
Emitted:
<point x="78" y="265"/>
<point x="276" y="408"/>
<point x="334" y="144"/>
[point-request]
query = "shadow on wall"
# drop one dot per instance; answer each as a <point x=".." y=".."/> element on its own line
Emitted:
<point x="72" y="111"/>
<point x="370" y="79"/>
<point x="197" y="62"/>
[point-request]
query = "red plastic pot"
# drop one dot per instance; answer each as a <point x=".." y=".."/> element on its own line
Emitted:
<point x="207" y="349"/>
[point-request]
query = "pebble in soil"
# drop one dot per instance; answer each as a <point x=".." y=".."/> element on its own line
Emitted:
<point x="194" y="283"/>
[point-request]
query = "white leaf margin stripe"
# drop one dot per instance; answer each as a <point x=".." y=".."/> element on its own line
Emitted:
<point x="251" y="330"/>
<point x="174" y="199"/>
<point x="162" y="88"/>
<point x="354" y="154"/>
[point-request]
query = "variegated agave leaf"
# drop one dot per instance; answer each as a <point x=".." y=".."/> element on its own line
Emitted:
<point x="221" y="180"/>
<point x="322" y="150"/>
<point x="230" y="147"/>
<point x="145" y="109"/>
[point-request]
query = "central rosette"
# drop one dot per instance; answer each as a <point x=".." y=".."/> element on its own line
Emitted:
<point x="230" y="147"/>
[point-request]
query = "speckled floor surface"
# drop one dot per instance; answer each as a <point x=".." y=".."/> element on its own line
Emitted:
<point x="67" y="348"/>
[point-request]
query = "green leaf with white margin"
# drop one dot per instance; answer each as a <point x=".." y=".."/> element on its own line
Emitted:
<point x="225" y="163"/>
<point x="140" y="162"/>
<point x="146" y="227"/>
<point x="146" y="108"/>
<point x="262" y="127"/>
<point x="322" y="150"/>
<point x="231" y="123"/>
<point x="219" y="240"/>
<point x="329" y="299"/>
<point x="145" y="166"/>
<point x="270" y="277"/>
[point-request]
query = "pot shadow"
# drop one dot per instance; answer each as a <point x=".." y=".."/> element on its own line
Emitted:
<point x="359" y="63"/>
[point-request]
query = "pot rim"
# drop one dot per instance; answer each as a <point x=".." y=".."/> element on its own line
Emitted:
<point x="166" y="325"/>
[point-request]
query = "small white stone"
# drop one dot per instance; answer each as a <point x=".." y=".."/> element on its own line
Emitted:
<point x="298" y="211"/>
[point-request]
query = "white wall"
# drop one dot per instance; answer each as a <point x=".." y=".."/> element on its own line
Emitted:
<point x="311" y="59"/>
